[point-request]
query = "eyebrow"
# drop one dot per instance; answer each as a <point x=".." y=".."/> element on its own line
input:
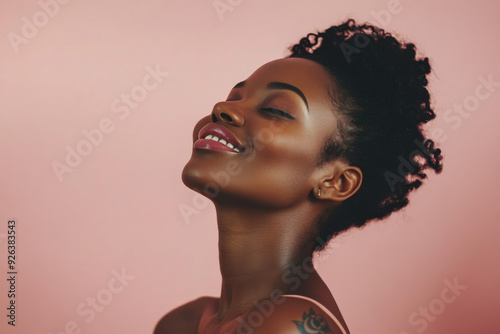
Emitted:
<point x="280" y="85"/>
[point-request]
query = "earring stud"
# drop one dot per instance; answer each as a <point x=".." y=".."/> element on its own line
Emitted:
<point x="319" y="192"/>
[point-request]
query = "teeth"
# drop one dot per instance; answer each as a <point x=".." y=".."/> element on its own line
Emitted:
<point x="215" y="138"/>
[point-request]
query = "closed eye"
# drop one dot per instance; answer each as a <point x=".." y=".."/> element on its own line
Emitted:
<point x="278" y="112"/>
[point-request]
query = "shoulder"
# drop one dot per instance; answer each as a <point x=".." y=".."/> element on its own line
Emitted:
<point x="291" y="315"/>
<point x="185" y="318"/>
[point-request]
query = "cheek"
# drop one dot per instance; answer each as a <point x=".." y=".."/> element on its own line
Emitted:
<point x="282" y="168"/>
<point x="297" y="151"/>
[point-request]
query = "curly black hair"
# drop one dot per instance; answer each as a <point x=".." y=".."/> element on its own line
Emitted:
<point x="381" y="104"/>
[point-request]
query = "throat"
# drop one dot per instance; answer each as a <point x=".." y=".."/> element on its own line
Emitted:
<point x="258" y="253"/>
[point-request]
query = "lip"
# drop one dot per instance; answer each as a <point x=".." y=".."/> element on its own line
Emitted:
<point x="220" y="131"/>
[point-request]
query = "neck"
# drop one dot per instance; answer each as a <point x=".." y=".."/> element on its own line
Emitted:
<point x="257" y="251"/>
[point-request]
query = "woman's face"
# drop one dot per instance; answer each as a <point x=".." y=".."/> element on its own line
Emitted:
<point x="278" y="119"/>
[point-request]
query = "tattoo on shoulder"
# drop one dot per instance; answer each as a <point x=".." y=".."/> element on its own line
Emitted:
<point x="312" y="323"/>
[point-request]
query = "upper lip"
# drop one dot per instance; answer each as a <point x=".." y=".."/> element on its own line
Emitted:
<point x="220" y="131"/>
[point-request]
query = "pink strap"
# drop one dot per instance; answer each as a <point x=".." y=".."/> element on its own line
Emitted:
<point x="321" y="306"/>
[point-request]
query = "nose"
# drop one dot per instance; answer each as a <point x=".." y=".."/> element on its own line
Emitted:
<point x="228" y="113"/>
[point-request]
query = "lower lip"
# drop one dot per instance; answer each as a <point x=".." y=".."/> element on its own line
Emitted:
<point x="209" y="144"/>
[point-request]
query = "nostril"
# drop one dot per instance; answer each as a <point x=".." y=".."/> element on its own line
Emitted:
<point x="226" y="117"/>
<point x="214" y="118"/>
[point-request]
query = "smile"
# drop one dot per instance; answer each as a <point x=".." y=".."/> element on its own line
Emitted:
<point x="214" y="136"/>
<point x="220" y="140"/>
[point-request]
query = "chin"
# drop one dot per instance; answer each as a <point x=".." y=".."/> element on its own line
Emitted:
<point x="190" y="175"/>
<point x="195" y="176"/>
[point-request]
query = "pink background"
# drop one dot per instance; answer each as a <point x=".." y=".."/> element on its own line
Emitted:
<point x="119" y="208"/>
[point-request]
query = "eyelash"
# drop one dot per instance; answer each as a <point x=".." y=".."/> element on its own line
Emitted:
<point x="278" y="112"/>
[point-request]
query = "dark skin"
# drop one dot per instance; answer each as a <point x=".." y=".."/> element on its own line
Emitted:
<point x="268" y="204"/>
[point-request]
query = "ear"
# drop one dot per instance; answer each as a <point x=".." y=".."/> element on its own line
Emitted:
<point x="341" y="182"/>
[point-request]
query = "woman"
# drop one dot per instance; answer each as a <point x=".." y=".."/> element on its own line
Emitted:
<point x="305" y="148"/>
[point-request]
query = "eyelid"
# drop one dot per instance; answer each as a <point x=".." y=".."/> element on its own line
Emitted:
<point x="279" y="112"/>
<point x="234" y="95"/>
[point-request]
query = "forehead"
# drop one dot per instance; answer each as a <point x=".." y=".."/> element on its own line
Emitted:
<point x="308" y="76"/>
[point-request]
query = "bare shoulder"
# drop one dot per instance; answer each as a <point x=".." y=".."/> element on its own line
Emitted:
<point x="289" y="315"/>
<point x="185" y="318"/>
